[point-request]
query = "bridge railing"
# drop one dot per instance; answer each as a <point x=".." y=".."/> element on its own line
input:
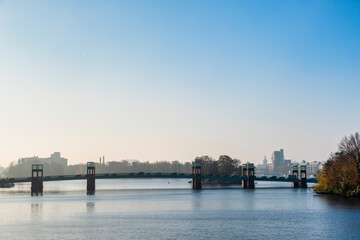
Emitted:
<point x="155" y="175"/>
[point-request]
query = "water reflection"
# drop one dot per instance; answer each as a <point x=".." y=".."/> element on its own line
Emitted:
<point x="196" y="199"/>
<point x="36" y="194"/>
<point x="349" y="203"/>
<point x="270" y="213"/>
<point x="90" y="207"/>
<point x="248" y="199"/>
<point x="36" y="210"/>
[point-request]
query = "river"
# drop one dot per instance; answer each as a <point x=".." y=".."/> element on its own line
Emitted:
<point x="170" y="209"/>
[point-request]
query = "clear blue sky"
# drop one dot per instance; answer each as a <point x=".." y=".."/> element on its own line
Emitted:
<point x="172" y="80"/>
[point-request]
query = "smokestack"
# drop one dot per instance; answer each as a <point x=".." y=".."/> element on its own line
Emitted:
<point x="103" y="160"/>
<point x="100" y="160"/>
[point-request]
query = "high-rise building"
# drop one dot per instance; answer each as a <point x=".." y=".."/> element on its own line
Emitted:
<point x="277" y="158"/>
<point x="287" y="167"/>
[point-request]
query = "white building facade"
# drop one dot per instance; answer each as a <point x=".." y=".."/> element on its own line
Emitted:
<point x="54" y="158"/>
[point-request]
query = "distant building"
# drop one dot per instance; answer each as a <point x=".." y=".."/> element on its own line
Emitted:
<point x="54" y="158"/>
<point x="265" y="162"/>
<point x="287" y="162"/>
<point x="287" y="167"/>
<point x="103" y="161"/>
<point x="312" y="168"/>
<point x="262" y="169"/>
<point x="270" y="168"/>
<point x="277" y="158"/>
<point x="131" y="161"/>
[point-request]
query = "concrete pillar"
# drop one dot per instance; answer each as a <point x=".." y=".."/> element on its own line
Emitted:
<point x="244" y="182"/>
<point x="295" y="173"/>
<point x="251" y="175"/>
<point x="196" y="172"/>
<point x="37" y="179"/>
<point x="303" y="180"/>
<point x="249" y="172"/>
<point x="90" y="176"/>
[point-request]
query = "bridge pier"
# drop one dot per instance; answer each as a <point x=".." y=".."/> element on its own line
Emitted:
<point x="37" y="179"/>
<point x="90" y="176"/>
<point x="295" y="172"/>
<point x="196" y="172"/>
<point x="249" y="172"/>
<point x="303" y="181"/>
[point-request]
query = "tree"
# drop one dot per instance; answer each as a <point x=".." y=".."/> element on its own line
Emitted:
<point x="340" y="176"/>
<point x="351" y="146"/>
<point x="208" y="165"/>
<point x="23" y="169"/>
<point x="238" y="167"/>
<point x="226" y="165"/>
<point x="341" y="173"/>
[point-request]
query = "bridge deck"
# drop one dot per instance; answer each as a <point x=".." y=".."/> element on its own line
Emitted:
<point x="154" y="175"/>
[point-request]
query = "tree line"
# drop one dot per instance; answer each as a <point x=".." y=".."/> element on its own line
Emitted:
<point x="21" y="169"/>
<point x="225" y="165"/>
<point x="341" y="172"/>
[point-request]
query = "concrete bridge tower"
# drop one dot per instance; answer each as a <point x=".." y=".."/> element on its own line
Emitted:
<point x="196" y="172"/>
<point x="90" y="176"/>
<point x="37" y="175"/>
<point x="249" y="172"/>
<point x="295" y="172"/>
<point x="303" y="182"/>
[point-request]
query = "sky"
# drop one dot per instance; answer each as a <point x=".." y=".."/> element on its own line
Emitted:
<point x="173" y="80"/>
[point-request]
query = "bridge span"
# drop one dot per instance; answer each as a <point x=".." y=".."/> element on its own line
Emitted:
<point x="142" y="175"/>
<point x="247" y="179"/>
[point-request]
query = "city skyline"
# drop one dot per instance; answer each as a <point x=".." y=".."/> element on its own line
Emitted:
<point x="101" y="159"/>
<point x="175" y="80"/>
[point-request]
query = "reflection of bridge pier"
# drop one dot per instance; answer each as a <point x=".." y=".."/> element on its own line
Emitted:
<point x="196" y="172"/>
<point x="90" y="176"/>
<point x="90" y="206"/>
<point x="249" y="173"/>
<point x="37" y="179"/>
<point x="36" y="210"/>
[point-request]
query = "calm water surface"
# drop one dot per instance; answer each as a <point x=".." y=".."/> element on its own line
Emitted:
<point x="169" y="209"/>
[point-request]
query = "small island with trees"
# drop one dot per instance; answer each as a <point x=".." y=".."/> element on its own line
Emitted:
<point x="341" y="173"/>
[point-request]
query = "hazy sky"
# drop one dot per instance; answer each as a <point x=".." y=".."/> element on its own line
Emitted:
<point x="172" y="80"/>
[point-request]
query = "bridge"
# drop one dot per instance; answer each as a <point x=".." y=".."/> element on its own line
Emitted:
<point x="142" y="175"/>
<point x="247" y="179"/>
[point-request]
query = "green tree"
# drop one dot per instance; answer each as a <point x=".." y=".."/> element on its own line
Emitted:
<point x="208" y="165"/>
<point x="226" y="165"/>
<point x="238" y="167"/>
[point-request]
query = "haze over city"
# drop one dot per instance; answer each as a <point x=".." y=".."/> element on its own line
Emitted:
<point x="162" y="80"/>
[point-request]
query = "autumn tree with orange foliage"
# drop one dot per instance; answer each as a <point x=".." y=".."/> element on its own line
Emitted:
<point x="341" y="173"/>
